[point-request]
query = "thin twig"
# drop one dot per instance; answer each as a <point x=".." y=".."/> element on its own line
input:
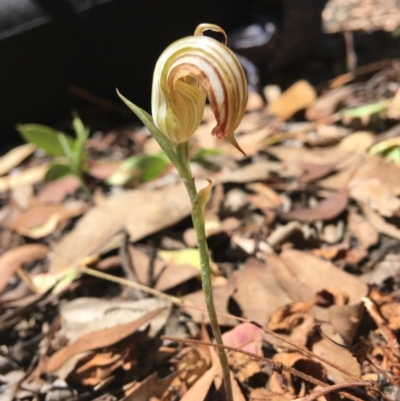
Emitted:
<point x="330" y="389"/>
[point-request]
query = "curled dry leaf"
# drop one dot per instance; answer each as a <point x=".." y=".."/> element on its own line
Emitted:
<point x="295" y="321"/>
<point x="14" y="258"/>
<point x="288" y="316"/>
<point x="27" y="177"/>
<point x="41" y="219"/>
<point x="14" y="157"/>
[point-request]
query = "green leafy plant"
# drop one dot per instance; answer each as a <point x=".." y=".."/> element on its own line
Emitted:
<point x="68" y="152"/>
<point x="139" y="168"/>
<point x="188" y="71"/>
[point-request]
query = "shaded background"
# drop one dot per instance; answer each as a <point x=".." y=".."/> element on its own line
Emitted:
<point x="47" y="45"/>
<point x="114" y="44"/>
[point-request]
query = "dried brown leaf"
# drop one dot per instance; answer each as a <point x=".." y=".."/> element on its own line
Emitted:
<point x="299" y="273"/>
<point x="41" y="219"/>
<point x="102" y="169"/>
<point x="325" y="210"/>
<point x="12" y="259"/>
<point x="365" y="234"/>
<point x="142" y="212"/>
<point x="26" y="177"/>
<point x="258" y="293"/>
<point x="293" y="157"/>
<point x="345" y="320"/>
<point x="97" y="339"/>
<point x="256" y="171"/>
<point x="299" y="276"/>
<point x="56" y="191"/>
<point x="152" y="386"/>
<point x="14" y="157"/>
<point x="200" y="389"/>
<point x="326" y="104"/>
<point x="339" y="356"/>
<point x="380" y="224"/>
<point x="376" y="182"/>
<point x="289" y="316"/>
<point x="314" y="171"/>
<point x="358" y="142"/>
<point x="299" y="96"/>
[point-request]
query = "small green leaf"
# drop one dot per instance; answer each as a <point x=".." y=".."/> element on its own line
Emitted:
<point x="152" y="166"/>
<point x="56" y="171"/>
<point x="141" y="168"/>
<point x="44" y="137"/>
<point x="66" y="146"/>
<point x="82" y="134"/>
<point x="365" y="110"/>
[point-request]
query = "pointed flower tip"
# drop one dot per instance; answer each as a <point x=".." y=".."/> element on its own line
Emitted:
<point x="189" y="70"/>
<point x="229" y="137"/>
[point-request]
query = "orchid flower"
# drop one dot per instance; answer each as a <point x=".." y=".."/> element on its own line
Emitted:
<point x="188" y="71"/>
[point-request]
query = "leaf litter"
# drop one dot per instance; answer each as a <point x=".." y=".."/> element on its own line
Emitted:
<point x="303" y="235"/>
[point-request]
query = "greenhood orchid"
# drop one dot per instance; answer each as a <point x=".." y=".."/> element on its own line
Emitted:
<point x="188" y="71"/>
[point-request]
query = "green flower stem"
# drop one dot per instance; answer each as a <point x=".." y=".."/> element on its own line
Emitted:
<point x="179" y="157"/>
<point x="199" y="226"/>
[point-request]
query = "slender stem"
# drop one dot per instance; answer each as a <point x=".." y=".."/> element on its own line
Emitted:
<point x="179" y="156"/>
<point x="199" y="226"/>
<point x="84" y="186"/>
